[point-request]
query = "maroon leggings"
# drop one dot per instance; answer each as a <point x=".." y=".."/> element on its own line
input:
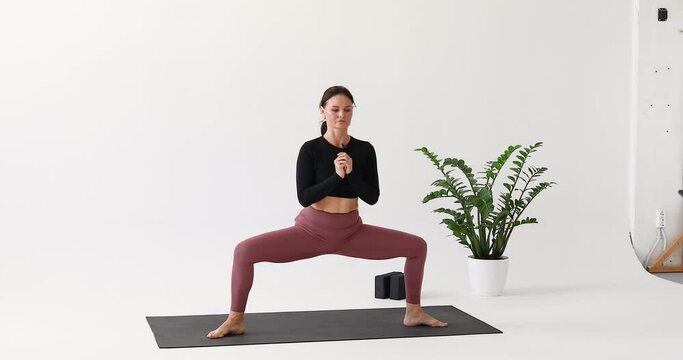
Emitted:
<point x="317" y="232"/>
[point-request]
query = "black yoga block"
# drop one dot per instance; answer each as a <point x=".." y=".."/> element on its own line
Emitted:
<point x="382" y="285"/>
<point x="397" y="287"/>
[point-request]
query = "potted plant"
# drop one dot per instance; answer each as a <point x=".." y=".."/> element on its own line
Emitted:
<point x="481" y="225"/>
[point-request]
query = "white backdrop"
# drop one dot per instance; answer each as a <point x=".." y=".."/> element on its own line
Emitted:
<point x="140" y="141"/>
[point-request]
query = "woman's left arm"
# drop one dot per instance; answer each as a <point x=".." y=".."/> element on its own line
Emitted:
<point x="367" y="187"/>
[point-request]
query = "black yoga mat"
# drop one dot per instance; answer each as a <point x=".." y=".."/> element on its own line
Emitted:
<point x="307" y="326"/>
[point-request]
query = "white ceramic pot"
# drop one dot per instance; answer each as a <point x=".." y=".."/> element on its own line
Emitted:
<point x="487" y="277"/>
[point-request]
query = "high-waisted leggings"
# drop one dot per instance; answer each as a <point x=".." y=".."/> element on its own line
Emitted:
<point x="316" y="232"/>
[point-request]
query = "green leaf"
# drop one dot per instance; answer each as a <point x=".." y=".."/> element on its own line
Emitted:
<point x="435" y="195"/>
<point x="526" y="221"/>
<point x="441" y="183"/>
<point x="451" y="212"/>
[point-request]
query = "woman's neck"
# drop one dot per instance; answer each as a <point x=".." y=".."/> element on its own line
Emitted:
<point x="338" y="139"/>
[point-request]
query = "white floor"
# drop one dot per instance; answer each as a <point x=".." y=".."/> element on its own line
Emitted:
<point x="73" y="305"/>
<point x="675" y="277"/>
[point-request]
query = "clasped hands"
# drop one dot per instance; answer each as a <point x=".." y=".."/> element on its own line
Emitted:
<point x="343" y="164"/>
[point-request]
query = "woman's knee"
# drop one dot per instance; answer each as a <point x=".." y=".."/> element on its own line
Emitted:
<point x="420" y="246"/>
<point x="243" y="251"/>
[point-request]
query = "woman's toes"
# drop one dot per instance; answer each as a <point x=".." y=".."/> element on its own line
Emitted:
<point x="438" y="323"/>
<point x="214" y="334"/>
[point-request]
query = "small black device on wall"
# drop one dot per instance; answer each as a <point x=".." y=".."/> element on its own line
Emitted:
<point x="662" y="14"/>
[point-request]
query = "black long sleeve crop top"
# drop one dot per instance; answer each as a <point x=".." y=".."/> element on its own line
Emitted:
<point x="316" y="177"/>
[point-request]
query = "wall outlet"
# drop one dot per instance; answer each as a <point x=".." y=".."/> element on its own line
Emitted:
<point x="660" y="218"/>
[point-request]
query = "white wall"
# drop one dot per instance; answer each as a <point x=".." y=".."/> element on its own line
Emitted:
<point x="658" y="148"/>
<point x="141" y="140"/>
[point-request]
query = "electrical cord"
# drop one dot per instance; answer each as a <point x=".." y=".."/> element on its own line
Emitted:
<point x="659" y="236"/>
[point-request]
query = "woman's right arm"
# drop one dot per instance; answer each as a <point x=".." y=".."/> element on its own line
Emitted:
<point x="308" y="192"/>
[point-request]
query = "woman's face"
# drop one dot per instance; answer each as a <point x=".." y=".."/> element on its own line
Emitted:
<point x="337" y="112"/>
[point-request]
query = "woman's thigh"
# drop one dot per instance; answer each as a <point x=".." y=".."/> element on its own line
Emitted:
<point x="284" y="245"/>
<point x="378" y="243"/>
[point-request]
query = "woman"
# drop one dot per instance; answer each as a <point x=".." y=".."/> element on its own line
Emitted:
<point x="332" y="172"/>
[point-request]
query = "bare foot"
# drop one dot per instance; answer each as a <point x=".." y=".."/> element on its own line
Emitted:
<point x="234" y="324"/>
<point x="415" y="316"/>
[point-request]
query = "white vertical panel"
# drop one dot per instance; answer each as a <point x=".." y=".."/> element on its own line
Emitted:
<point x="659" y="157"/>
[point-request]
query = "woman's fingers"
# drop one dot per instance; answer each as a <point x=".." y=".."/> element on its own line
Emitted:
<point x="343" y="159"/>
